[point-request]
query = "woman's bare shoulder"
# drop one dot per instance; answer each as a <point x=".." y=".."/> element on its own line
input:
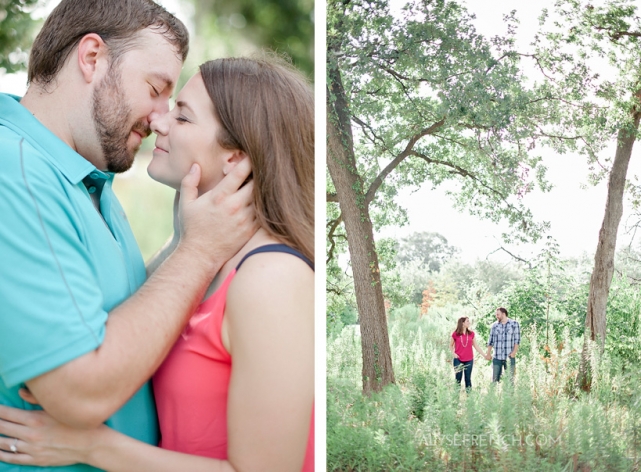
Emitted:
<point x="273" y="266"/>
<point x="271" y="277"/>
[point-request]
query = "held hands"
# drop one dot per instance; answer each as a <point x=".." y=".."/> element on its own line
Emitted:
<point x="218" y="223"/>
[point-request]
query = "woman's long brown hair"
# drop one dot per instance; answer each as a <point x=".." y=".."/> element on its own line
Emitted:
<point x="266" y="109"/>
<point x="460" y="330"/>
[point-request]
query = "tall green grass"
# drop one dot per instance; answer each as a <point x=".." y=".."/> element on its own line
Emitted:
<point x="542" y="422"/>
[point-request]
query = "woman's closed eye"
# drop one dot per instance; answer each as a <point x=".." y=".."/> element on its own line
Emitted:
<point x="182" y="119"/>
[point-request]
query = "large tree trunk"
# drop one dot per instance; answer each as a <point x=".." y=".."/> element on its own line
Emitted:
<point x="595" y="321"/>
<point x="377" y="358"/>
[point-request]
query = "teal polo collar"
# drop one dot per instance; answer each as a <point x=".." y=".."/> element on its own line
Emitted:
<point x="17" y="118"/>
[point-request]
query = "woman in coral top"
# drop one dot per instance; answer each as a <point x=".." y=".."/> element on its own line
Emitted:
<point x="237" y="390"/>
<point x="463" y="338"/>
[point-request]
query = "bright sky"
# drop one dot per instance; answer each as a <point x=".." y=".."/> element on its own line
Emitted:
<point x="574" y="208"/>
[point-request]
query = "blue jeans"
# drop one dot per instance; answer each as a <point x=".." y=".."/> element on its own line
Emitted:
<point x="498" y="366"/>
<point x="466" y="369"/>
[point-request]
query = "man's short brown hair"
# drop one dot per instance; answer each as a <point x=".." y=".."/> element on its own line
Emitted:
<point x="115" y="21"/>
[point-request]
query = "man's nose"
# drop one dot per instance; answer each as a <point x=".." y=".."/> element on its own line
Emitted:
<point x="159" y="124"/>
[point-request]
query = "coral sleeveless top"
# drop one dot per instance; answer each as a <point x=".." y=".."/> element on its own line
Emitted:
<point x="192" y="383"/>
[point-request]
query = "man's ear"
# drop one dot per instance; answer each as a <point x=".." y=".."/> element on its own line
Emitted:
<point x="232" y="159"/>
<point x="92" y="56"/>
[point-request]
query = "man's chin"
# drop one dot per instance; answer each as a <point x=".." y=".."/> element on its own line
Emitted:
<point x="118" y="166"/>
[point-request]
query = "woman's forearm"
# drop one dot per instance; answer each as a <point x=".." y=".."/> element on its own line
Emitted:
<point x="115" y="452"/>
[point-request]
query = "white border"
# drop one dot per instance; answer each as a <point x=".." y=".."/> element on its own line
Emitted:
<point x="320" y="48"/>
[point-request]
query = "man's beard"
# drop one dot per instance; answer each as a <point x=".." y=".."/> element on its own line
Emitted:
<point x="112" y="115"/>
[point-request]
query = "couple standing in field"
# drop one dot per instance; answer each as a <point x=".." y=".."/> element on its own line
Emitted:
<point x="203" y="359"/>
<point x="505" y="337"/>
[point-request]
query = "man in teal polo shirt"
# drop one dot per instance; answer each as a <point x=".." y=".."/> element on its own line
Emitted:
<point x="74" y="304"/>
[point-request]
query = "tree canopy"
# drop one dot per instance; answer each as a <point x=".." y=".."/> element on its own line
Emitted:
<point x="284" y="26"/>
<point x="17" y="28"/>
<point x="421" y="97"/>
<point x="431" y="249"/>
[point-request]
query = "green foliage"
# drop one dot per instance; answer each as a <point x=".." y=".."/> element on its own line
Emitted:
<point x="427" y="422"/>
<point x="431" y="249"/>
<point x="414" y="277"/>
<point x="589" y="56"/>
<point x="387" y="249"/>
<point x="394" y="291"/>
<point x="482" y="277"/>
<point x="624" y="322"/>
<point x="17" y="31"/>
<point x="545" y="296"/>
<point x="432" y="100"/>
<point x="285" y="26"/>
<point x="341" y="302"/>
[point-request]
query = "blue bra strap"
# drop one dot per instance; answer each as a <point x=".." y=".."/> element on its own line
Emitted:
<point x="276" y="248"/>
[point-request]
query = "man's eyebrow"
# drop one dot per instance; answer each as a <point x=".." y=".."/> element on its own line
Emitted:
<point x="164" y="78"/>
<point x="182" y="104"/>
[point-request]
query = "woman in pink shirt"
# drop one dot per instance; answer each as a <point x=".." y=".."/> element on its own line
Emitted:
<point x="236" y="392"/>
<point x="461" y="346"/>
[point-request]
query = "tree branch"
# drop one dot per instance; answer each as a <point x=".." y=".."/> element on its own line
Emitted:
<point x="489" y="191"/>
<point x="330" y="236"/>
<point x="459" y="170"/>
<point x="331" y="197"/>
<point x="634" y="280"/>
<point x="539" y="65"/>
<point x="366" y="127"/>
<point x="501" y="248"/>
<point x="337" y="289"/>
<point x="376" y="183"/>
<point x="615" y="35"/>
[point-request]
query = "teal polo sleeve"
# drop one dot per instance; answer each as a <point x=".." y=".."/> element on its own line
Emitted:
<point x="50" y="303"/>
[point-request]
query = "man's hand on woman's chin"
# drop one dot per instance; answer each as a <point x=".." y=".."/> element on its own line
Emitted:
<point x="220" y="222"/>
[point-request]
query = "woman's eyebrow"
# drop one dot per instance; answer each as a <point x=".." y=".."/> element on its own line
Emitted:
<point x="183" y="104"/>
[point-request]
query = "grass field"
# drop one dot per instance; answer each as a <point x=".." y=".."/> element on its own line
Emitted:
<point x="426" y="422"/>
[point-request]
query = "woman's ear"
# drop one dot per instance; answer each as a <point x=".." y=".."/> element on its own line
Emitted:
<point x="232" y="159"/>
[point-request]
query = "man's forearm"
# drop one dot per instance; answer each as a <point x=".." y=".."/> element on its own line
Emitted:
<point x="139" y="334"/>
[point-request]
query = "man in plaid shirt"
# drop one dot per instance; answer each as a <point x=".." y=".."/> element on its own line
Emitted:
<point x="505" y="337"/>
